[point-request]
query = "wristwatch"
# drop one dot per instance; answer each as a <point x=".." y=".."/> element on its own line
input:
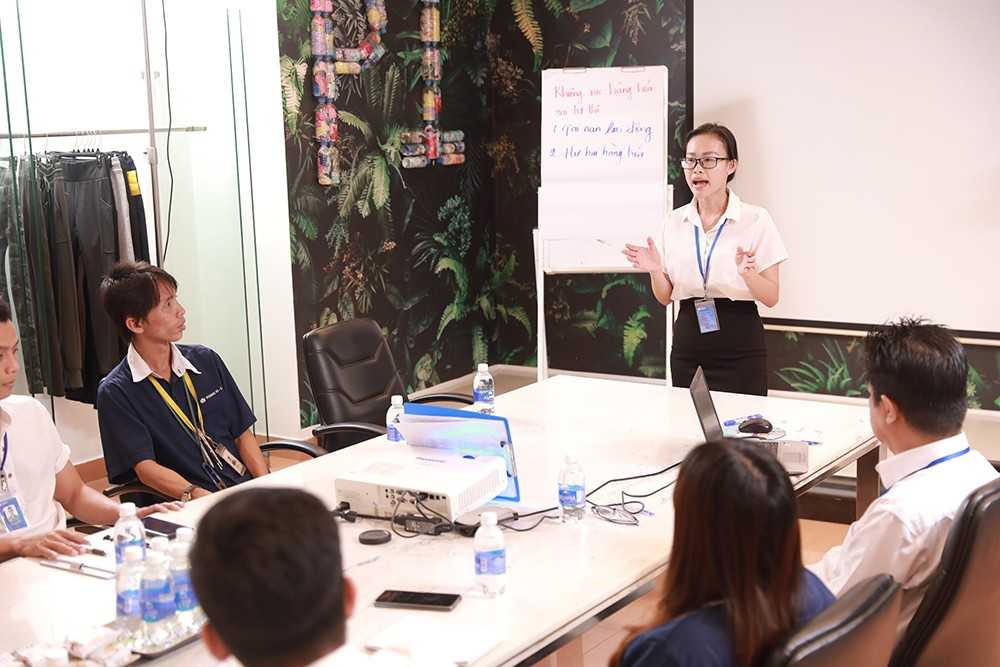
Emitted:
<point x="186" y="494"/>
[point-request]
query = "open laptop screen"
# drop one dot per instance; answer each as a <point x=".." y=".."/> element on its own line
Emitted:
<point x="705" y="407"/>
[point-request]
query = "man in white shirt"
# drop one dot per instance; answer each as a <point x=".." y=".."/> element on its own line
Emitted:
<point x="38" y="484"/>
<point x="917" y="377"/>
<point x="267" y="570"/>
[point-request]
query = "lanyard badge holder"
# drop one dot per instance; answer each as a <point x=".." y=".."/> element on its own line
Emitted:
<point x="704" y="308"/>
<point x="12" y="514"/>
<point x="214" y="454"/>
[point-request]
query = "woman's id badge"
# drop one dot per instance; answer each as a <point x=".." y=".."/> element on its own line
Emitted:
<point x="708" y="316"/>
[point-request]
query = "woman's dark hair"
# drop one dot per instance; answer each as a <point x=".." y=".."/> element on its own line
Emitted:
<point x="736" y="541"/>
<point x="923" y="369"/>
<point x="723" y="134"/>
<point x="267" y="570"/>
<point x="132" y="289"/>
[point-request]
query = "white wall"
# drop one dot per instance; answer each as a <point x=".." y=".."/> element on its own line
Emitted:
<point x="871" y="131"/>
<point x="107" y="90"/>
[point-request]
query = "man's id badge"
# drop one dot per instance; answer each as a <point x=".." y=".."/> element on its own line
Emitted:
<point x="230" y="460"/>
<point x="12" y="516"/>
<point x="708" y="316"/>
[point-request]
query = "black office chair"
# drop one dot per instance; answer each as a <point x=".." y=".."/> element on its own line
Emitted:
<point x="142" y="495"/>
<point x="956" y="622"/>
<point x="353" y="378"/>
<point x="858" y="629"/>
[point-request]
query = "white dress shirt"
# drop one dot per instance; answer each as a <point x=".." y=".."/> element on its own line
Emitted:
<point x="903" y="532"/>
<point x="141" y="370"/>
<point x="747" y="226"/>
<point x="35" y="455"/>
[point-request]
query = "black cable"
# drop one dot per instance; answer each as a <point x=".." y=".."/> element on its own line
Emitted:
<point x="392" y="522"/>
<point x="170" y="127"/>
<point x="507" y="523"/>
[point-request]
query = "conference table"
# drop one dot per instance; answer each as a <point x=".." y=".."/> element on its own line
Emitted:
<point x="562" y="578"/>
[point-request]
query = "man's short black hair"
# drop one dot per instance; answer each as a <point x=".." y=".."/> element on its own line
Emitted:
<point x="132" y="289"/>
<point x="267" y="570"/>
<point x="923" y="369"/>
<point x="5" y="315"/>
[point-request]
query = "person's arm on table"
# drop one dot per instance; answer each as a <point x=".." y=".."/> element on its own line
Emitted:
<point x="165" y="480"/>
<point x="763" y="285"/>
<point x="91" y="506"/>
<point x="251" y="454"/>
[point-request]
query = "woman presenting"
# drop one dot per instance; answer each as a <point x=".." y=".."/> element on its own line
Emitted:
<point x="720" y="257"/>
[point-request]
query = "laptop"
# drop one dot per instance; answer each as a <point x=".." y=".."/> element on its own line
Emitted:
<point x="792" y="454"/>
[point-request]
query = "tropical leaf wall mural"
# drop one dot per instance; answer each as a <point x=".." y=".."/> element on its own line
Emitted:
<point x="442" y="258"/>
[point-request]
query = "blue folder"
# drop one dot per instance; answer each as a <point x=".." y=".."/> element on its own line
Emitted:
<point x="472" y="434"/>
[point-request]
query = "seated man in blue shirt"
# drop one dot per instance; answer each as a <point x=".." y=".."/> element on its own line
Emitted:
<point x="170" y="415"/>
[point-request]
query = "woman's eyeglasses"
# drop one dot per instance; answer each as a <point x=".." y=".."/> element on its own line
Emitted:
<point x="709" y="162"/>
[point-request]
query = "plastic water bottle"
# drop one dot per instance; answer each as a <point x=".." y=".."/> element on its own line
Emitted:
<point x="482" y="390"/>
<point x="189" y="619"/>
<point x="491" y="556"/>
<point x="184" y="535"/>
<point x="392" y="419"/>
<point x="572" y="491"/>
<point x="158" y="604"/>
<point x="128" y="531"/>
<point x="160" y="543"/>
<point x="128" y="598"/>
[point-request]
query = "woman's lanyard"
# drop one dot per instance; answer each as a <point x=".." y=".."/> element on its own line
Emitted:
<point x="4" y="489"/>
<point x="704" y="270"/>
<point x="210" y="459"/>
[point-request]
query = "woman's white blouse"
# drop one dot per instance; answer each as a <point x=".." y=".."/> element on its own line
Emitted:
<point x="748" y="226"/>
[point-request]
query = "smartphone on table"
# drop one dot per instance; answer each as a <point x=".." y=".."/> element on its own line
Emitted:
<point x="417" y="600"/>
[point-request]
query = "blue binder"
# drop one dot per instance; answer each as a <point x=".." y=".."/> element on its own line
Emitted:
<point x="471" y="434"/>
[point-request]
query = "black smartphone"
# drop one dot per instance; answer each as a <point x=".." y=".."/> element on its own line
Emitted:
<point x="156" y="527"/>
<point x="418" y="600"/>
<point x="89" y="529"/>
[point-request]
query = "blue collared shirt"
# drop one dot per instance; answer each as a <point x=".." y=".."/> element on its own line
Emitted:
<point x="137" y="425"/>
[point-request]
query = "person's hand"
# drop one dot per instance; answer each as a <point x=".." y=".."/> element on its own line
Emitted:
<point x="172" y="506"/>
<point x="51" y="545"/>
<point x="745" y="261"/>
<point x="646" y="258"/>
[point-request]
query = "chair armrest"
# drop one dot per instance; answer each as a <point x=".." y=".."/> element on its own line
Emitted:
<point x="433" y="398"/>
<point x="116" y="490"/>
<point x="300" y="446"/>
<point x="349" y="427"/>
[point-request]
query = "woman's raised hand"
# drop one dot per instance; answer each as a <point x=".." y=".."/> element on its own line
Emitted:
<point x="646" y="258"/>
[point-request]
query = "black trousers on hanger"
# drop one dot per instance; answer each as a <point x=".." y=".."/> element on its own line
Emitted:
<point x="91" y="207"/>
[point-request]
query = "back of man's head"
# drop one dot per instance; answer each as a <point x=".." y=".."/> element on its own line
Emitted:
<point x="267" y="570"/>
<point x="5" y="314"/>
<point x="923" y="369"/>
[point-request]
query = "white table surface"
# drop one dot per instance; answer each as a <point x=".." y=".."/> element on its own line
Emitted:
<point x="559" y="577"/>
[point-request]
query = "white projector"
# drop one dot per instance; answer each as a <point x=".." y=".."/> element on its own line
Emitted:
<point x="446" y="483"/>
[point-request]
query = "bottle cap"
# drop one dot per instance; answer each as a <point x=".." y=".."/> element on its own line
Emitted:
<point x="397" y="400"/>
<point x="488" y="519"/>
<point x="126" y="509"/>
<point x="483" y="368"/>
<point x="159" y="543"/>
<point x="184" y="534"/>
<point x="132" y="553"/>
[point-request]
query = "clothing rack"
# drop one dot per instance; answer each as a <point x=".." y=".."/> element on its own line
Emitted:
<point x="100" y="133"/>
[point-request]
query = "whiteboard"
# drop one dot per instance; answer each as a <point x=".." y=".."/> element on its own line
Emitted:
<point x="604" y="164"/>
<point x="871" y="132"/>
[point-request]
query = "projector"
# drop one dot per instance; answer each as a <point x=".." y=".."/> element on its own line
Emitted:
<point x="448" y="484"/>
